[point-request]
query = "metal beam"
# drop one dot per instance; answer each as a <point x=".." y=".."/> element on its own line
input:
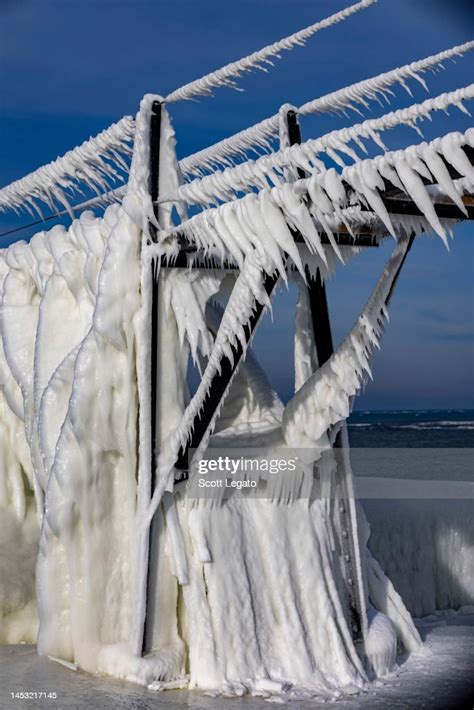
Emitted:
<point x="155" y="134"/>
<point x="349" y="541"/>
<point x="444" y="210"/>
<point x="154" y="187"/>
<point x="200" y="261"/>
<point x="221" y="381"/>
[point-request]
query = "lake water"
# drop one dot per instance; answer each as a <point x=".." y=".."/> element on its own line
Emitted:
<point x="442" y="428"/>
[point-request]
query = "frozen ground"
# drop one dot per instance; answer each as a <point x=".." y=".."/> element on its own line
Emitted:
<point x="440" y="679"/>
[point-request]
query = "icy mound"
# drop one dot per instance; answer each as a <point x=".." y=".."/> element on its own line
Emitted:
<point x="425" y="548"/>
<point x="18" y="552"/>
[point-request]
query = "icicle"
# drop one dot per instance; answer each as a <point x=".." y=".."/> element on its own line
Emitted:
<point x="442" y="177"/>
<point x="417" y="191"/>
<point x="327" y="193"/>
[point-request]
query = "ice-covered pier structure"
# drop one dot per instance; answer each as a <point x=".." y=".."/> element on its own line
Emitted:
<point x="109" y="560"/>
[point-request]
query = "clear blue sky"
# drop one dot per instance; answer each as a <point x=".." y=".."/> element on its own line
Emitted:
<point x="71" y="67"/>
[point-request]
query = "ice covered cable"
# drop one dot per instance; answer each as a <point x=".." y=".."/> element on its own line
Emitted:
<point x="243" y="595"/>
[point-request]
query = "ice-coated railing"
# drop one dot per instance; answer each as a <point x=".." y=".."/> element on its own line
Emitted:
<point x="228" y="75"/>
<point x="94" y="164"/>
<point x="272" y="210"/>
<point x="259" y="137"/>
<point x="267" y="169"/>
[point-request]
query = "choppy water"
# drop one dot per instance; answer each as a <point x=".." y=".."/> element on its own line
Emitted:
<point x="442" y="428"/>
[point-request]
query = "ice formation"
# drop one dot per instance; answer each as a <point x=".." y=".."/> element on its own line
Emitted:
<point x="135" y="575"/>
<point x="86" y="163"/>
<point x="250" y="174"/>
<point x="425" y="547"/>
<point x="355" y="97"/>
<point x="94" y="164"/>
<point x="261" y="59"/>
<point x="332" y="198"/>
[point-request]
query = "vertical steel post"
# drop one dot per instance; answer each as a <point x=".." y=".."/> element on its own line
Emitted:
<point x="325" y="348"/>
<point x="349" y="542"/>
<point x="154" y="185"/>
<point x="155" y="135"/>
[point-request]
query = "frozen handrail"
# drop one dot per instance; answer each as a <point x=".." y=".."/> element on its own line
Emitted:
<point x="260" y="135"/>
<point x="85" y="163"/>
<point x="257" y="173"/>
<point x="93" y="163"/>
<point x="330" y="193"/>
<point x="27" y="191"/>
<point x="227" y="76"/>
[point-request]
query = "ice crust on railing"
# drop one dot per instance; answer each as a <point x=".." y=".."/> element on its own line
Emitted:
<point x="335" y="199"/>
<point x="406" y="170"/>
<point x="262" y="59"/>
<point x="54" y="183"/>
<point x="94" y="164"/>
<point x="268" y="169"/>
<point x="356" y="97"/>
<point x="377" y="88"/>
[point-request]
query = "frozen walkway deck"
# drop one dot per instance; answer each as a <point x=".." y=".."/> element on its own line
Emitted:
<point x="441" y="679"/>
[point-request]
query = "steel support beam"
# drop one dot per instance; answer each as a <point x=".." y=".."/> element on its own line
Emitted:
<point x="324" y="348"/>
<point x="221" y="381"/>
<point x="349" y="541"/>
<point x="154" y="186"/>
<point x="155" y="134"/>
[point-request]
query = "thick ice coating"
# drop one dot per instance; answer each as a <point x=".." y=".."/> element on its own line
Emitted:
<point x="267" y="170"/>
<point x="356" y="97"/>
<point x="262" y="59"/>
<point x="233" y="595"/>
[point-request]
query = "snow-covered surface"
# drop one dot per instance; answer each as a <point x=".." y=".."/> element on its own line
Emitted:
<point x="438" y="679"/>
<point x="426" y="549"/>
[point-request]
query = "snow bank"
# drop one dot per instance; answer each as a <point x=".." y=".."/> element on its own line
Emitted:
<point x="18" y="552"/>
<point x="425" y="548"/>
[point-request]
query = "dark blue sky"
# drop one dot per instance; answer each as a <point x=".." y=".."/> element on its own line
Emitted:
<point x="71" y="67"/>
